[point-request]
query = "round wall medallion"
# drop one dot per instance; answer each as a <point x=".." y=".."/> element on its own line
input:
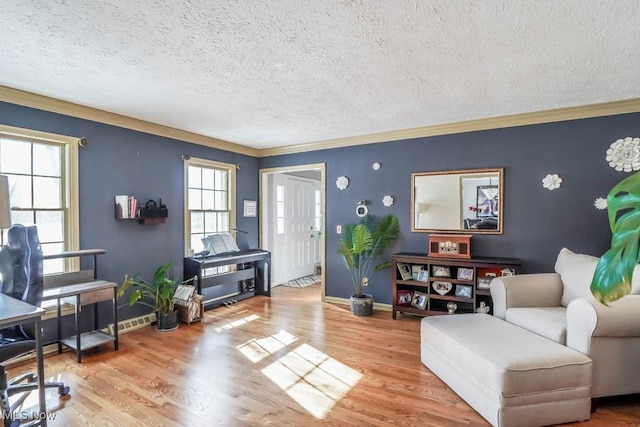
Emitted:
<point x="600" y="203"/>
<point x="387" y="201"/>
<point x="624" y="154"/>
<point x="342" y="182"/>
<point x="376" y="166"/>
<point x="551" y="182"/>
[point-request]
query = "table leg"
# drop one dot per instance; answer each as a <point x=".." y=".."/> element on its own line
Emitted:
<point x="78" y="349"/>
<point x="40" y="370"/>
<point x="59" y="322"/>
<point x="115" y="318"/>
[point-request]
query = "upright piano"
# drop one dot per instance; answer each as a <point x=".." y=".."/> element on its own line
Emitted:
<point x="230" y="277"/>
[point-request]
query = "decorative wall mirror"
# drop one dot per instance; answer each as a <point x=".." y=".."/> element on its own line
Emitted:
<point x="458" y="201"/>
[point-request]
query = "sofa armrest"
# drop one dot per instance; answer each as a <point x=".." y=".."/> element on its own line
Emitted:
<point x="587" y="318"/>
<point x="525" y="290"/>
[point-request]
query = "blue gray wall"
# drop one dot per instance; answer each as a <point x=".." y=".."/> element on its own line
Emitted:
<point x="537" y="222"/>
<point x="121" y="161"/>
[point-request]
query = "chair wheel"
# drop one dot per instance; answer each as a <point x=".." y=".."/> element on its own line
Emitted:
<point x="63" y="391"/>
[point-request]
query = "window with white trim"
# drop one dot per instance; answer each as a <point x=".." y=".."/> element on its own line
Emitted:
<point x="42" y="173"/>
<point x="209" y="200"/>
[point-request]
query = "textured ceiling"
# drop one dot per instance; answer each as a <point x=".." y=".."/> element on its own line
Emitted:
<point x="280" y="72"/>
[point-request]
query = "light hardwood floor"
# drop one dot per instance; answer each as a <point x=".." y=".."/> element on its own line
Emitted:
<point x="289" y="360"/>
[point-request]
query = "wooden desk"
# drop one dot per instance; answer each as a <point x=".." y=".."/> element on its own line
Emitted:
<point x="82" y="294"/>
<point x="15" y="312"/>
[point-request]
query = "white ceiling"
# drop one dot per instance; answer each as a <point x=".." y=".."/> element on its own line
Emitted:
<point x="269" y="73"/>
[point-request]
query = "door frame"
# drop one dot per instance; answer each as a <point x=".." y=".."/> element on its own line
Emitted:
<point x="322" y="167"/>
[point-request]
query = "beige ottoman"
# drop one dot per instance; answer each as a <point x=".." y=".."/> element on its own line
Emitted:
<point x="511" y="376"/>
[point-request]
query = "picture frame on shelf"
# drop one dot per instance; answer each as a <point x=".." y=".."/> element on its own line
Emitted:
<point x="484" y="282"/>
<point x="405" y="271"/>
<point x="463" y="291"/>
<point x="465" y="273"/>
<point x="507" y="272"/>
<point x="442" y="287"/>
<point x="404" y="297"/>
<point x="415" y="271"/>
<point x="441" y="271"/>
<point x="423" y="276"/>
<point x="419" y="300"/>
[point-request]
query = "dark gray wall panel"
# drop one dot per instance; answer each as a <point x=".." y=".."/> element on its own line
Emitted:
<point x="122" y="161"/>
<point x="538" y="222"/>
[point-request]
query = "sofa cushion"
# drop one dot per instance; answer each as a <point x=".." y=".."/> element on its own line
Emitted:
<point x="550" y="322"/>
<point x="576" y="272"/>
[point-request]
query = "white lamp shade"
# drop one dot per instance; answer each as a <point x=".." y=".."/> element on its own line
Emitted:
<point x="5" y="206"/>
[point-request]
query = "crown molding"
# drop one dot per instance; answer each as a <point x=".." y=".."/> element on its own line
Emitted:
<point x="522" y="119"/>
<point x="41" y="102"/>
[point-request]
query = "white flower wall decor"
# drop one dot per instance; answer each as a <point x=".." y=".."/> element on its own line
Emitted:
<point x="342" y="182"/>
<point x="376" y="166"/>
<point x="624" y="154"/>
<point x="551" y="181"/>
<point x="387" y="201"/>
<point x="600" y="203"/>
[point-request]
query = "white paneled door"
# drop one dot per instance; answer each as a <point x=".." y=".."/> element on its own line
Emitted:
<point x="299" y="225"/>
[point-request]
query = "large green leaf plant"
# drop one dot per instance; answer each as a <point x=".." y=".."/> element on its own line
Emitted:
<point x="362" y="244"/>
<point x="612" y="278"/>
<point x="157" y="294"/>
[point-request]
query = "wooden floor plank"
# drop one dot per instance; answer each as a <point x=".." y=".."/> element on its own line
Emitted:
<point x="289" y="360"/>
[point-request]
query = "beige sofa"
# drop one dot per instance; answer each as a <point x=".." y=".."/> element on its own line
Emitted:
<point x="560" y="307"/>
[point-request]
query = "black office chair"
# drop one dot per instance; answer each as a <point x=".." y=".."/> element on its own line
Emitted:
<point x="22" y="278"/>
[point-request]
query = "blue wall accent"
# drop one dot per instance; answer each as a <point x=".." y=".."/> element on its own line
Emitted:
<point x="122" y="161"/>
<point x="537" y="222"/>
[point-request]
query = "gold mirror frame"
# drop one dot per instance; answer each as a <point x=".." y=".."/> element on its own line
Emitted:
<point x="448" y="178"/>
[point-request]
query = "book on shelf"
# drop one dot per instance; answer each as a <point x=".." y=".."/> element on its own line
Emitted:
<point x="122" y="206"/>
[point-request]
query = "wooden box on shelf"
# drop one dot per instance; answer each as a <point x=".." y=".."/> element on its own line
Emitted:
<point x="450" y="245"/>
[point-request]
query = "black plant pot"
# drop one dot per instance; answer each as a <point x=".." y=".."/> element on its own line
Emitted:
<point x="166" y="321"/>
<point x="361" y="306"/>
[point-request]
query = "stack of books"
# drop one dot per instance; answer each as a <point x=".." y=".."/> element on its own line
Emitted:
<point x="126" y="207"/>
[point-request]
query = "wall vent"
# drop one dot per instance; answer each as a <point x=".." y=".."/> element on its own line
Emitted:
<point x="133" y="324"/>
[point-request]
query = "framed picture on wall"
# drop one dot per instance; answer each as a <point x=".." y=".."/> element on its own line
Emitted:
<point x="487" y="204"/>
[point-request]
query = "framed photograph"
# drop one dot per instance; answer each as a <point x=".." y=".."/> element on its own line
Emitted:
<point x="404" y="297"/>
<point x="441" y="271"/>
<point x="442" y="287"/>
<point x="250" y="208"/>
<point x="405" y="271"/>
<point x="415" y="271"/>
<point x="465" y="273"/>
<point x="507" y="272"/>
<point x="419" y="300"/>
<point x="463" y="291"/>
<point x="483" y="282"/>
<point x="487" y="201"/>
<point x="423" y="276"/>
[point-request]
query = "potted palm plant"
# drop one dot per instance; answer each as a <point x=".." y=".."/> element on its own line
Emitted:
<point x="157" y="294"/>
<point x="360" y="246"/>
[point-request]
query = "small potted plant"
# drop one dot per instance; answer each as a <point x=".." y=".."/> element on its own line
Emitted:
<point x="360" y="246"/>
<point x="157" y="294"/>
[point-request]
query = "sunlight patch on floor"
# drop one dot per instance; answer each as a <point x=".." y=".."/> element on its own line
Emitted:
<point x="236" y="323"/>
<point x="257" y="349"/>
<point x="313" y="379"/>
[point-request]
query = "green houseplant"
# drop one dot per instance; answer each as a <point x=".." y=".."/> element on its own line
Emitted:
<point x="157" y="294"/>
<point x="360" y="246"/>
<point x="612" y="278"/>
